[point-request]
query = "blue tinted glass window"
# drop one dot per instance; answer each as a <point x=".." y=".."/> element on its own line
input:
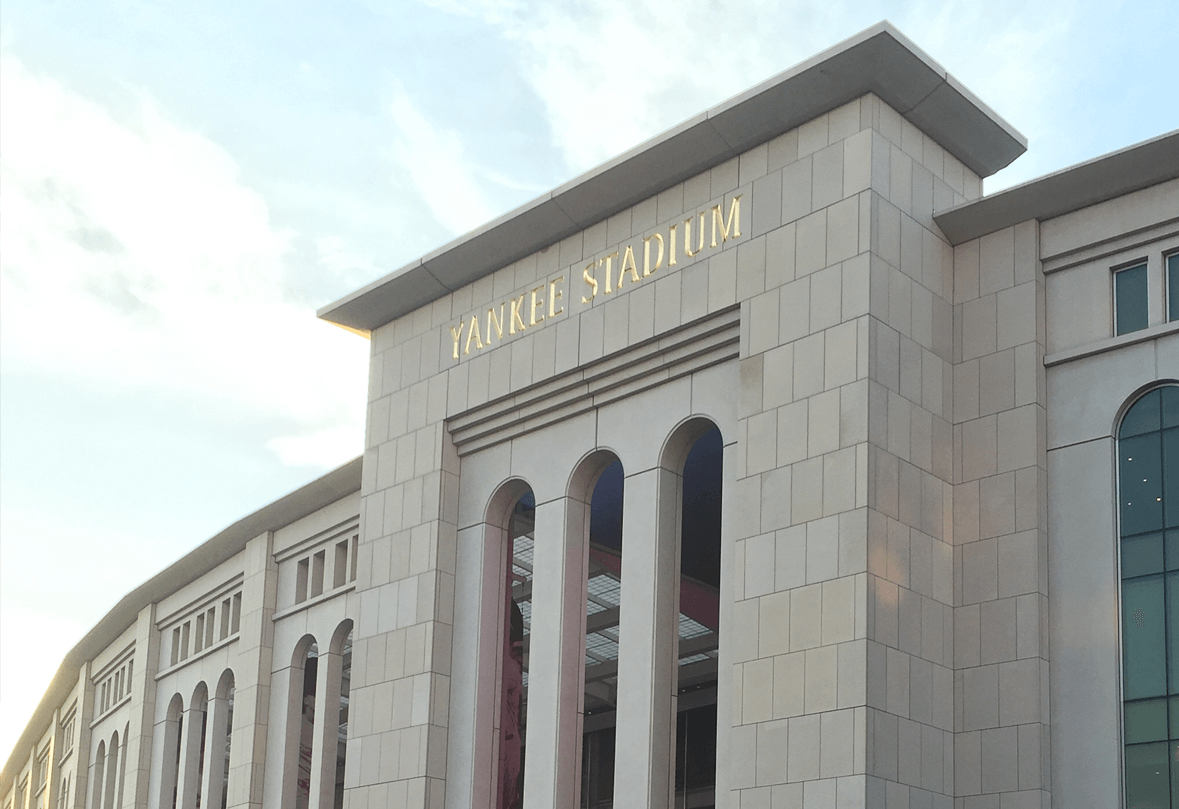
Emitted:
<point x="1173" y="286"/>
<point x="1148" y="510"/>
<point x="1130" y="312"/>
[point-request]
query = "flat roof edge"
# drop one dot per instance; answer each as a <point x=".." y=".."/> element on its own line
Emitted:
<point x="1070" y="189"/>
<point x="879" y="60"/>
<point x="307" y="499"/>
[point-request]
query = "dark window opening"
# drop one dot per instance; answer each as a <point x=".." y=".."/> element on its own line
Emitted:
<point x="228" y="747"/>
<point x="514" y="675"/>
<point x="1130" y="300"/>
<point x="342" y="732"/>
<point x="597" y="769"/>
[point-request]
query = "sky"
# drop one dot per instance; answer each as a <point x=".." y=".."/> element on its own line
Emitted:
<point x="182" y="185"/>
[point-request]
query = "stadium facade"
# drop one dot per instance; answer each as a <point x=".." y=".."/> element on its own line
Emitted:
<point x="770" y="464"/>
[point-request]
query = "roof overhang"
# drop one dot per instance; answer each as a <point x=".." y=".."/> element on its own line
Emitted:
<point x="879" y="60"/>
<point x="1102" y="178"/>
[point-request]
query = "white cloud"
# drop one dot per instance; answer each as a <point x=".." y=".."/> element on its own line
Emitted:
<point x="319" y="448"/>
<point x="133" y="253"/>
<point x="334" y="255"/>
<point x="433" y="157"/>
<point x="613" y="73"/>
<point x="51" y="613"/>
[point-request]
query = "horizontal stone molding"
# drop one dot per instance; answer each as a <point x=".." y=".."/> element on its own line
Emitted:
<point x="683" y="351"/>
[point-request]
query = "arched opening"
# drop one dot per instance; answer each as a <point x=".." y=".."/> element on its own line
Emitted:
<point x="1148" y="511"/>
<point x="172" y="737"/>
<point x="194" y="759"/>
<point x="99" y="771"/>
<point x="303" y="686"/>
<point x="342" y="645"/>
<point x="222" y="741"/>
<point x="515" y="627"/>
<point x="110" y="791"/>
<point x="123" y="763"/>
<point x="602" y="614"/>
<point x="698" y="618"/>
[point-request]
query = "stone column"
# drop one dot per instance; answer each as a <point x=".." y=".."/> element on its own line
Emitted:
<point x="81" y="779"/>
<point x="213" y="777"/>
<point x="137" y="747"/>
<point x="287" y="703"/>
<point x="473" y="738"/>
<point x="252" y="677"/>
<point x="190" y="757"/>
<point x="1001" y="654"/>
<point x="647" y="648"/>
<point x="327" y="724"/>
<point x="557" y="655"/>
<point x="730" y="505"/>
<point x="167" y="731"/>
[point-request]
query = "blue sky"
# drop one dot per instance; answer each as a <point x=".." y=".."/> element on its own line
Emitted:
<point x="184" y="184"/>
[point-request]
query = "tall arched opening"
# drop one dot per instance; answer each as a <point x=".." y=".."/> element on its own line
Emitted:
<point x="1148" y="514"/>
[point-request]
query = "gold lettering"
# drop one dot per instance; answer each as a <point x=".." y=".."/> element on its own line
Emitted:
<point x="647" y="268"/>
<point x="671" y="247"/>
<point x="554" y="294"/>
<point x="532" y="321"/>
<point x="514" y="318"/>
<point x="498" y="322"/>
<point x="473" y="334"/>
<point x="688" y="251"/>
<point x="609" y="270"/>
<point x="590" y="281"/>
<point x="456" y="334"/>
<point x="734" y="223"/>
<point x="628" y="265"/>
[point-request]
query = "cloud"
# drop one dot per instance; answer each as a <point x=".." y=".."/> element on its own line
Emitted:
<point x="132" y="253"/>
<point x="613" y="73"/>
<point x="435" y="160"/>
<point x="319" y="448"/>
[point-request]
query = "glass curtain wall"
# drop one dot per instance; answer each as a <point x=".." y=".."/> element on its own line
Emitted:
<point x="1148" y="501"/>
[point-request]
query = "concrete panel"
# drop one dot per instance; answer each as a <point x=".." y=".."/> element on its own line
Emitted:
<point x="1080" y="307"/>
<point x="635" y="428"/>
<point x="1084" y="395"/>
<point x="1085" y="704"/>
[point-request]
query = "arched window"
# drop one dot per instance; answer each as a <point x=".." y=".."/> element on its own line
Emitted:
<point x="517" y="618"/>
<point x="220" y="723"/>
<point x="123" y="765"/>
<point x="99" y="770"/>
<point x="193" y="773"/>
<point x="112" y="771"/>
<point x="603" y="601"/>
<point x="173" y="728"/>
<point x="305" y="682"/>
<point x="342" y="724"/>
<point x="110" y="790"/>
<point x="1148" y="506"/>
<point x="699" y="621"/>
